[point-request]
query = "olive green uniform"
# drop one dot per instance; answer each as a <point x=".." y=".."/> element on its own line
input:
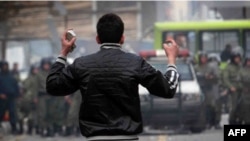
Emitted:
<point x="208" y="77"/>
<point x="73" y="113"/>
<point x="232" y="78"/>
<point x="26" y="102"/>
<point x="243" y="111"/>
<point x="43" y="103"/>
<point x="56" y="113"/>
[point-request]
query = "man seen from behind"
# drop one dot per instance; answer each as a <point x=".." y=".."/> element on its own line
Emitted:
<point x="108" y="81"/>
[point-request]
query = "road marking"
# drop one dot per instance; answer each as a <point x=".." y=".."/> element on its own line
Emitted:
<point x="162" y="138"/>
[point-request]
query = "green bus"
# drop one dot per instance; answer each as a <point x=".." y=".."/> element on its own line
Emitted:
<point x="207" y="36"/>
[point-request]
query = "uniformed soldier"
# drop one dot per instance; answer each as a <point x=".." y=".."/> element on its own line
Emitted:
<point x="201" y="70"/>
<point x="207" y="75"/>
<point x="27" y="103"/>
<point x="72" y="124"/>
<point x="43" y="99"/>
<point x="214" y="95"/>
<point x="56" y="114"/>
<point x="244" y="102"/>
<point x="232" y="79"/>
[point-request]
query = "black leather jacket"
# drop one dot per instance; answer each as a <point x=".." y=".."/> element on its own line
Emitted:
<point x="108" y="81"/>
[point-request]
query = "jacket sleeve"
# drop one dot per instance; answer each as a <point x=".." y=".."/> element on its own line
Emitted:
<point x="61" y="80"/>
<point x="158" y="84"/>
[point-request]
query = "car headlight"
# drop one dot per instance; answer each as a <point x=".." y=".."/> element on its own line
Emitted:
<point x="191" y="97"/>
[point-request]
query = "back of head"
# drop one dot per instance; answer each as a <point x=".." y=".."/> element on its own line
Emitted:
<point x="4" y="66"/>
<point x="110" y="28"/>
<point x="45" y="61"/>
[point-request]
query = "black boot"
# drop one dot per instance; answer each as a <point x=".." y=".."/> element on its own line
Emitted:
<point x="68" y="131"/>
<point x="30" y="127"/>
<point x="78" y="132"/>
<point x="50" y="132"/>
<point x="37" y="130"/>
<point x="20" y="131"/>
<point x="13" y="129"/>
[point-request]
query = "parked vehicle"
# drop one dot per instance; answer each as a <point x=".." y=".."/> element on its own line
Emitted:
<point x="186" y="109"/>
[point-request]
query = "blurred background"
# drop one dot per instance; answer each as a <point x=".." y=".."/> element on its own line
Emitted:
<point x="31" y="30"/>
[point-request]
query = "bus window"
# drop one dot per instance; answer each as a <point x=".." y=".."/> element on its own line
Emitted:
<point x="215" y="41"/>
<point x="247" y="39"/>
<point x="184" y="39"/>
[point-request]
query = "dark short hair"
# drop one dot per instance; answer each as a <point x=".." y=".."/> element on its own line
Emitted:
<point x="110" y="28"/>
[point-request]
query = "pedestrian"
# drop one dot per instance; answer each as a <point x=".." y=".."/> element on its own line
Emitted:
<point x="231" y="80"/>
<point x="9" y="92"/>
<point x="108" y="81"/>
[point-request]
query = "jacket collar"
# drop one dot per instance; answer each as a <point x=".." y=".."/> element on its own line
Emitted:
<point x="111" y="46"/>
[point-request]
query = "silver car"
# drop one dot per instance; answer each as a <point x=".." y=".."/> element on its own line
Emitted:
<point x="185" y="110"/>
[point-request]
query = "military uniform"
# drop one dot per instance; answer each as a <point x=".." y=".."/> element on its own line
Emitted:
<point x="232" y="78"/>
<point x="56" y="114"/>
<point x="244" y="102"/>
<point x="73" y="113"/>
<point x="208" y="78"/>
<point x="26" y="102"/>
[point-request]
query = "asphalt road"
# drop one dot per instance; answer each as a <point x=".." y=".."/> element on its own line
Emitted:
<point x="152" y="135"/>
<point x="209" y="135"/>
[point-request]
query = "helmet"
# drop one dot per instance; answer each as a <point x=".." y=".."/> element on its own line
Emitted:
<point x="246" y="59"/>
<point x="47" y="60"/>
<point x="214" y="57"/>
<point x="237" y="51"/>
<point x="202" y="54"/>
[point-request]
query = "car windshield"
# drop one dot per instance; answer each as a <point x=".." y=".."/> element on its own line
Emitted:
<point x="183" y="69"/>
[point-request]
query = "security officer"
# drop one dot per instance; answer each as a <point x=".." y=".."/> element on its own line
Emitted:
<point x="9" y="92"/>
<point x="74" y="102"/>
<point x="56" y="115"/>
<point x="244" y="104"/>
<point x="43" y="99"/>
<point x="214" y="80"/>
<point x="201" y="72"/>
<point x="231" y="79"/>
<point x="29" y="99"/>
<point x="207" y="75"/>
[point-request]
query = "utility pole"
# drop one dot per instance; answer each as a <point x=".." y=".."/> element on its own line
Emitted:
<point x="94" y="11"/>
<point x="139" y="20"/>
<point x="5" y="32"/>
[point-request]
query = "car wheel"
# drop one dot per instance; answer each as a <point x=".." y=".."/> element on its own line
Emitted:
<point x="199" y="125"/>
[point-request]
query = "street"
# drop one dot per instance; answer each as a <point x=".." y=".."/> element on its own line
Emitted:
<point x="152" y="135"/>
<point x="209" y="135"/>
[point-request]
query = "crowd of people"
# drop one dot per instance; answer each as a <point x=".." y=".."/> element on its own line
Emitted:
<point x="26" y="102"/>
<point x="224" y="81"/>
